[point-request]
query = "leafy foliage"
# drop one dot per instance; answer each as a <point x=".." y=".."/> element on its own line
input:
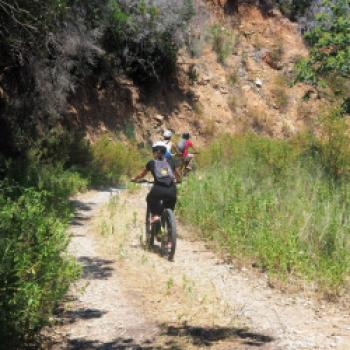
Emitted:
<point x="223" y="42"/>
<point x="35" y="271"/>
<point x="329" y="42"/>
<point x="112" y="159"/>
<point x="146" y="35"/>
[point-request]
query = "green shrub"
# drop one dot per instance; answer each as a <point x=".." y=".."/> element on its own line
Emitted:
<point x="271" y="201"/>
<point x="113" y="159"/>
<point x="223" y="42"/>
<point x="330" y="145"/>
<point x="146" y="35"/>
<point x="35" y="271"/>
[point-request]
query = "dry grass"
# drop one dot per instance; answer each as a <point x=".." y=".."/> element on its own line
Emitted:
<point x="232" y="102"/>
<point x="233" y="78"/>
<point x="277" y="52"/>
<point x="258" y="119"/>
<point x="279" y="92"/>
<point x="305" y="110"/>
<point x="209" y="127"/>
<point x="198" y="108"/>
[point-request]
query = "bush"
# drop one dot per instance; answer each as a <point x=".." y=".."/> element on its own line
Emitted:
<point x="223" y="42"/>
<point x="273" y="202"/>
<point x="35" y="271"/>
<point x="112" y="159"/>
<point x="146" y="35"/>
<point x="333" y="145"/>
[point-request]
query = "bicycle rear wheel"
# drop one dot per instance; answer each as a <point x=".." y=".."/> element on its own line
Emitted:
<point x="168" y="244"/>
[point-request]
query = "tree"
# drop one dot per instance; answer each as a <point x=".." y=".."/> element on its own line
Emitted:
<point x="231" y="6"/>
<point x="329" y="42"/>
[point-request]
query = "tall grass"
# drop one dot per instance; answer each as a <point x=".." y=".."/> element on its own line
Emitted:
<point x="272" y="202"/>
<point x="112" y="159"/>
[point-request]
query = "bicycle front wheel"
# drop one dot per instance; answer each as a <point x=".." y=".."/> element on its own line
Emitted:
<point x="168" y="244"/>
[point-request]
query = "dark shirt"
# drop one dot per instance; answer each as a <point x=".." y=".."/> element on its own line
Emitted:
<point x="151" y="164"/>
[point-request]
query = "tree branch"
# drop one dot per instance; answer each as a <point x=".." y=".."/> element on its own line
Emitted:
<point x="10" y="12"/>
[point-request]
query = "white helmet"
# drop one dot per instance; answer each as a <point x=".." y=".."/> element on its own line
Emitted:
<point x="159" y="145"/>
<point x="167" y="134"/>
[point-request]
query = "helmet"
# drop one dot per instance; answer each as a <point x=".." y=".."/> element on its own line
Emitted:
<point x="167" y="134"/>
<point x="186" y="135"/>
<point x="159" y="146"/>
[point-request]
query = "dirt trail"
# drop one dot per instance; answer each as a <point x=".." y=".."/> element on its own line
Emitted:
<point x="129" y="298"/>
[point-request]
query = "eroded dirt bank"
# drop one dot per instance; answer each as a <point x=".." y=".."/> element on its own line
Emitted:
<point x="129" y="298"/>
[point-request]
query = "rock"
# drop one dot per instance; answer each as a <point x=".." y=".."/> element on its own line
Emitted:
<point x="205" y="80"/>
<point x="159" y="117"/>
<point x="258" y="83"/>
<point x="195" y="97"/>
<point x="223" y="90"/>
<point x="268" y="58"/>
<point x="311" y="94"/>
<point x="192" y="95"/>
<point x="187" y="107"/>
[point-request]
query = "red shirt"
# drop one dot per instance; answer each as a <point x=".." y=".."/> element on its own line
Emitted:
<point x="188" y="145"/>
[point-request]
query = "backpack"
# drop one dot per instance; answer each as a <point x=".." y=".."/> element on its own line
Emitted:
<point x="163" y="173"/>
<point x="181" y="145"/>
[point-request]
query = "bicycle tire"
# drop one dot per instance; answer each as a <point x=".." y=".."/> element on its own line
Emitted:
<point x="169" y="224"/>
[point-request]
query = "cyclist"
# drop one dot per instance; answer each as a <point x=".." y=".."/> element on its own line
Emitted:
<point x="184" y="146"/>
<point x="167" y="135"/>
<point x="164" y="188"/>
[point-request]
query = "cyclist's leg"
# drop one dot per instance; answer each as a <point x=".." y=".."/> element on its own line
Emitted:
<point x="154" y="203"/>
<point x="188" y="160"/>
<point x="169" y="199"/>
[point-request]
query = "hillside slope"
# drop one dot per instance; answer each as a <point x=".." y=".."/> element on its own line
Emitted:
<point x="237" y="77"/>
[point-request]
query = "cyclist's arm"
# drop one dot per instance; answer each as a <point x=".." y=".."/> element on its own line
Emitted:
<point x="141" y="175"/>
<point x="191" y="146"/>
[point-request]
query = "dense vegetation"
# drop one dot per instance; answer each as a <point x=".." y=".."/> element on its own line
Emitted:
<point x="47" y="50"/>
<point x="329" y="43"/>
<point x="282" y="204"/>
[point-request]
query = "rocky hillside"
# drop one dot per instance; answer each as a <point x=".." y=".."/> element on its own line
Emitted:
<point x="236" y="75"/>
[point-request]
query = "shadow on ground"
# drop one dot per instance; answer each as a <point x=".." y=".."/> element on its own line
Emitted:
<point x="79" y="220"/>
<point x="79" y="205"/>
<point x="96" y="268"/>
<point x="208" y="336"/>
<point x="118" y="344"/>
<point x="71" y="316"/>
<point x="179" y="338"/>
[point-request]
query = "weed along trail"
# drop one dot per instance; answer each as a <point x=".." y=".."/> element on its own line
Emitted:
<point x="131" y="298"/>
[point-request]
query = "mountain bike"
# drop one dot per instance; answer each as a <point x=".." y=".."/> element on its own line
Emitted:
<point x="181" y="165"/>
<point x="163" y="231"/>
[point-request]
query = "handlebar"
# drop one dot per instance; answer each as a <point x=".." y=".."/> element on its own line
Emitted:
<point x="142" y="181"/>
<point x="145" y="181"/>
